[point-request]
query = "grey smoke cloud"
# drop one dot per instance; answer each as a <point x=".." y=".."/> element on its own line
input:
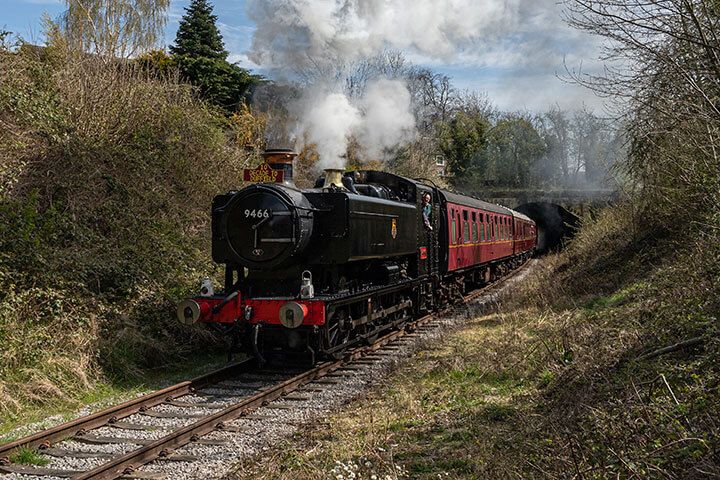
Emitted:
<point x="291" y="33"/>
<point x="294" y="37"/>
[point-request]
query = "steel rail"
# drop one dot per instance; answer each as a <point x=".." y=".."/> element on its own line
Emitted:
<point x="129" y="462"/>
<point x="125" y="409"/>
<point x="126" y="464"/>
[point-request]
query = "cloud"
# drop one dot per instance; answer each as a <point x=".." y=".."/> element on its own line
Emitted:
<point x="511" y="39"/>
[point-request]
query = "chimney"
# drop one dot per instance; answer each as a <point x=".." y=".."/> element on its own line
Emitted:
<point x="333" y="177"/>
<point x="281" y="159"/>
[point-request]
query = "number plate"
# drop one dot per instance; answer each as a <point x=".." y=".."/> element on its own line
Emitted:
<point x="259" y="213"/>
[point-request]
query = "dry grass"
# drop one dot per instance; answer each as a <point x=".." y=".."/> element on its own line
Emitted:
<point x="552" y="385"/>
<point x="106" y="176"/>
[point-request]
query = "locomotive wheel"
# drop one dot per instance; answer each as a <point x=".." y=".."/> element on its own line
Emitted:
<point x="336" y="334"/>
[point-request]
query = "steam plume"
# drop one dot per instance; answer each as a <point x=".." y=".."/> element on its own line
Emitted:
<point x="311" y="38"/>
<point x="379" y="120"/>
<point x="388" y="118"/>
<point x="293" y="33"/>
<point x="328" y="119"/>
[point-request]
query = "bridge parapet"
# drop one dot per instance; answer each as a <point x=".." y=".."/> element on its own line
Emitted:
<point x="574" y="200"/>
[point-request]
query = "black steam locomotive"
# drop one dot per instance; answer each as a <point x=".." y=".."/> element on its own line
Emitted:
<point x="315" y="271"/>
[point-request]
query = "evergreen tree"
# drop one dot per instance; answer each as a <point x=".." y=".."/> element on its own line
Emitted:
<point x="201" y="56"/>
<point x="198" y="35"/>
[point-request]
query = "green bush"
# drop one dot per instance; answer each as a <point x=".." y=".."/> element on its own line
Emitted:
<point x="106" y="177"/>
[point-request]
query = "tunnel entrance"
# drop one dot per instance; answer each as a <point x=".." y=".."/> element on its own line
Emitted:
<point x="555" y="224"/>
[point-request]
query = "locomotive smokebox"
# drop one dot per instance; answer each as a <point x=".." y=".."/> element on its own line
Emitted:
<point x="333" y="177"/>
<point x="281" y="159"/>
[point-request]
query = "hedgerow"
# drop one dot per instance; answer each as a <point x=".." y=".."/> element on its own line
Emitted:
<point x="107" y="172"/>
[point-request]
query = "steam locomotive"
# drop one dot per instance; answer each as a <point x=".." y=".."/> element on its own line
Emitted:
<point x="313" y="272"/>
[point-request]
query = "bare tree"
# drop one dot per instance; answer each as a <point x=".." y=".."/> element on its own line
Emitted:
<point x="666" y="69"/>
<point x="436" y="94"/>
<point x="115" y="28"/>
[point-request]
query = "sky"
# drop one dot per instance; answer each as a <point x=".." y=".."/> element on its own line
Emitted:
<point x="518" y="66"/>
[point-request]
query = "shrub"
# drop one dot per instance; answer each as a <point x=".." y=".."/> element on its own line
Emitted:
<point x="107" y="173"/>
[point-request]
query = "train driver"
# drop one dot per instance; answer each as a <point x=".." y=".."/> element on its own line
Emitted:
<point x="427" y="210"/>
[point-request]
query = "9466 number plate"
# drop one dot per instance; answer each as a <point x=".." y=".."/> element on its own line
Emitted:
<point x="258" y="213"/>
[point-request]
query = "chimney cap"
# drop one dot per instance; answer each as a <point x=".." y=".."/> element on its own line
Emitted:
<point x="279" y="155"/>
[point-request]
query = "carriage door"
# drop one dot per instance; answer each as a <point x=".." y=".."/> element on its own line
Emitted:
<point x="428" y="239"/>
<point x="435" y="220"/>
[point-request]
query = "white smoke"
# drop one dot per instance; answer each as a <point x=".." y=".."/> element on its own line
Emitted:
<point x="379" y="120"/>
<point x="315" y="39"/>
<point x="388" y="118"/>
<point x="292" y="33"/>
<point x="328" y="119"/>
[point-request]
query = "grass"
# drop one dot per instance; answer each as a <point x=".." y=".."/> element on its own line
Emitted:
<point x="27" y="456"/>
<point x="105" y="394"/>
<point x="554" y="384"/>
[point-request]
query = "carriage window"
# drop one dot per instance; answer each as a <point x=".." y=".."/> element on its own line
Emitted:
<point x="453" y="234"/>
<point x="474" y="227"/>
<point x="466" y="231"/>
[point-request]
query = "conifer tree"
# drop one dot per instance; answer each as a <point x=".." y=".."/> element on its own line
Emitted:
<point x="198" y="35"/>
<point x="200" y="53"/>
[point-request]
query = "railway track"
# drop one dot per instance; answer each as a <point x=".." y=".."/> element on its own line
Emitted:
<point x="205" y="404"/>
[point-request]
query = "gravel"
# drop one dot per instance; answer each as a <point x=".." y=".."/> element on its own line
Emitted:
<point x="274" y="424"/>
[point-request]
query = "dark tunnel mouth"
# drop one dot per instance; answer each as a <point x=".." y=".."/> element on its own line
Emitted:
<point x="555" y="224"/>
